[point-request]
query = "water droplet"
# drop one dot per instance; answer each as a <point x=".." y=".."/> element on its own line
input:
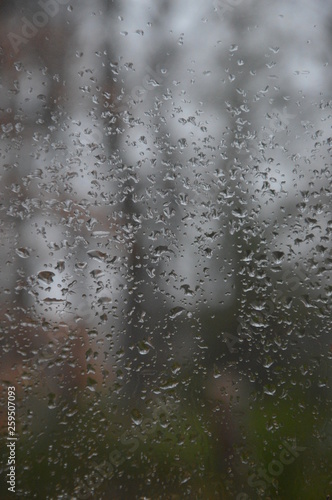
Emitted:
<point x="136" y="416"/>
<point x="46" y="276"/>
<point x="176" y="311"/>
<point x="23" y="252"/>
<point x="97" y="255"/>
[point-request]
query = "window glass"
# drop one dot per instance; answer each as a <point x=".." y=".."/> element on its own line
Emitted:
<point x="166" y="221"/>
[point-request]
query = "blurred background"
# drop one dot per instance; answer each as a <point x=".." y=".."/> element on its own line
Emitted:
<point x="166" y="253"/>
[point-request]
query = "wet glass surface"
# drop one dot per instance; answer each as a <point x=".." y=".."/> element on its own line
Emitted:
<point x="165" y="249"/>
